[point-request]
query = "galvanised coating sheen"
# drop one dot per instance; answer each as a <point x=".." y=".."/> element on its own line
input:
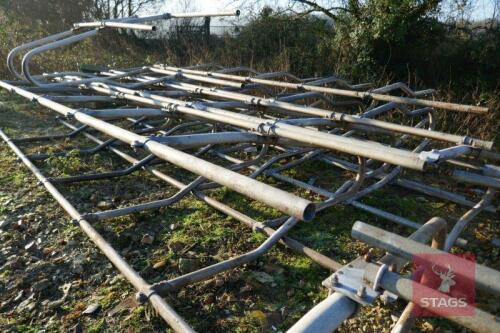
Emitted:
<point x="342" y="92"/>
<point x="337" y="303"/>
<point x="281" y="200"/>
<point x="485" y="277"/>
<point x="402" y="286"/>
<point x="310" y="137"/>
<point x="167" y="313"/>
<point x="261" y="127"/>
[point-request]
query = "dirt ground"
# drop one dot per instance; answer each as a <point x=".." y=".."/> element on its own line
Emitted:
<point x="51" y="274"/>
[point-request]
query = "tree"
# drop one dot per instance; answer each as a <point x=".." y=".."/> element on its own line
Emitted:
<point x="120" y="8"/>
<point x="370" y="34"/>
<point x="60" y="14"/>
<point x="54" y="15"/>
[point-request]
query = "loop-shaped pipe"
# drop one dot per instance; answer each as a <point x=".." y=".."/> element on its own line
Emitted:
<point x="47" y="47"/>
<point x="285" y="202"/>
<point x="15" y="51"/>
<point x="63" y="38"/>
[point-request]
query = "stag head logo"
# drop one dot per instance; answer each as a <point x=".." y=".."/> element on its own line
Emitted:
<point x="443" y="282"/>
<point x="446" y="279"/>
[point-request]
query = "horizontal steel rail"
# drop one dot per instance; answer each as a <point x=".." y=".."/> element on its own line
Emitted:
<point x="308" y="324"/>
<point x="351" y="146"/>
<point x="339" y="92"/>
<point x="322" y="260"/>
<point x="334" y="116"/>
<point x="163" y="309"/>
<point x="402" y="286"/>
<point x="281" y="200"/>
<point x="486" y="278"/>
<point x="177" y="115"/>
<point x="118" y="25"/>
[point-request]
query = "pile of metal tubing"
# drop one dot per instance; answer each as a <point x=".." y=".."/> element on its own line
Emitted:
<point x="195" y="117"/>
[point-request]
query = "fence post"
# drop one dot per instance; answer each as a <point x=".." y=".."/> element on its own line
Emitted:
<point x="206" y="30"/>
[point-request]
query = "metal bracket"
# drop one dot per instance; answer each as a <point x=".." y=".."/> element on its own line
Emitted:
<point x="431" y="156"/>
<point x="349" y="281"/>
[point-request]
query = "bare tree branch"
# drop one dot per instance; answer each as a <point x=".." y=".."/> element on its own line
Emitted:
<point x="315" y="7"/>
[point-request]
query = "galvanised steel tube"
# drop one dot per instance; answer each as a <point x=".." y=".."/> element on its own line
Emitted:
<point x="485" y="278"/>
<point x="412" y="185"/>
<point x="391" y="217"/>
<point x="308" y="323"/>
<point x="351" y="146"/>
<point x="126" y="23"/>
<point x="167" y="16"/>
<point x="75" y="80"/>
<point x="163" y="309"/>
<point x="198" y="78"/>
<point x="147" y="80"/>
<point x="464" y="221"/>
<point x="123" y="113"/>
<point x="63" y="74"/>
<point x="17" y="50"/>
<point x="403" y="286"/>
<point x="315" y="153"/>
<point x="55" y="44"/>
<point x="168" y="201"/>
<point x="207" y="272"/>
<point x="285" y="202"/>
<point x="339" y="92"/>
<point x="491" y="170"/>
<point x="434" y="229"/>
<point x="460" y="242"/>
<point x="334" y="116"/>
<point x="199" y="140"/>
<point x="407" y="320"/>
<point x="326" y="316"/>
<point x="472" y="178"/>
<point x="80" y="99"/>
<point x="118" y="25"/>
<point x="317" y="257"/>
<point x="207" y="14"/>
<point x="373" y="210"/>
<point x="145" y="206"/>
<point x="102" y="175"/>
<point x="386" y="177"/>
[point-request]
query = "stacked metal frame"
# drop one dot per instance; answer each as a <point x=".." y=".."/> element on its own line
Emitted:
<point x="283" y="122"/>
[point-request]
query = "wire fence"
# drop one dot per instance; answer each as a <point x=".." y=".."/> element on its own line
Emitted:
<point x="167" y="30"/>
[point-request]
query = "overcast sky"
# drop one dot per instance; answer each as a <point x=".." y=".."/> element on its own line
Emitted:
<point x="483" y="8"/>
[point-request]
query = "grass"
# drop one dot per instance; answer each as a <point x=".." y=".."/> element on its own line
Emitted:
<point x="241" y="303"/>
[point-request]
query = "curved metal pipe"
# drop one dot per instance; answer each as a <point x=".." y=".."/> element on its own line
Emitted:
<point x="287" y="203"/>
<point x="165" y="311"/>
<point x="467" y="218"/>
<point x="63" y="38"/>
<point x="12" y="54"/>
<point x="207" y="272"/>
<point x="317" y="257"/>
<point x="296" y="133"/>
<point x="53" y="45"/>
<point x="326" y="316"/>
<point x="339" y="92"/>
<point x="334" y="116"/>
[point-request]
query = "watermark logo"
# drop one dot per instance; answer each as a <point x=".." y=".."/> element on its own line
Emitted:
<point x="444" y="285"/>
<point x="446" y="279"/>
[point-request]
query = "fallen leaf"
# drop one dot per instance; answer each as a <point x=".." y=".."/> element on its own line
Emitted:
<point x="92" y="309"/>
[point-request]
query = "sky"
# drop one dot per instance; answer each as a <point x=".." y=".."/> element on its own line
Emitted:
<point x="482" y="8"/>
